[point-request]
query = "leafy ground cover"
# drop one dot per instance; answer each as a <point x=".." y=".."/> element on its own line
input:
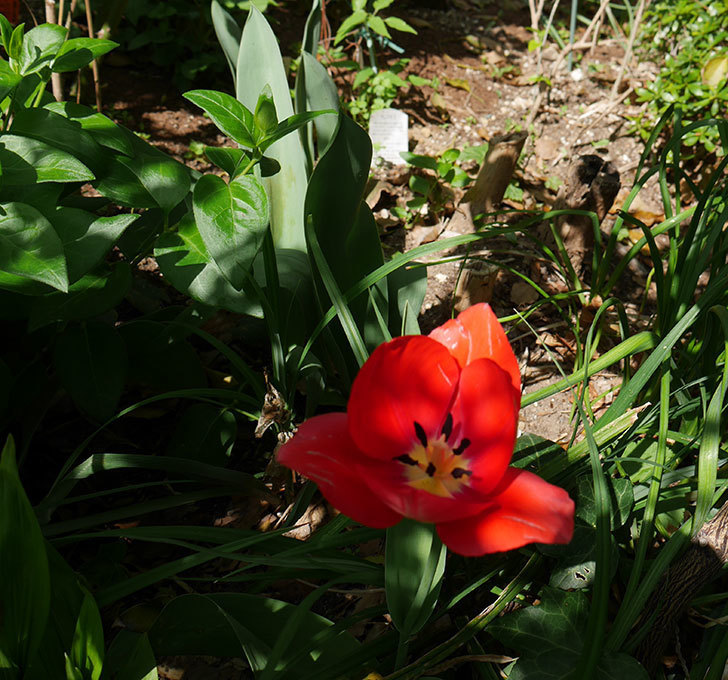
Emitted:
<point x="160" y="537"/>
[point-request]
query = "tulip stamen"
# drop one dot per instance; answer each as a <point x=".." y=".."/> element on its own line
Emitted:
<point x="447" y="427"/>
<point x="457" y="473"/>
<point x="435" y="468"/>
<point x="406" y="459"/>
<point x="461" y="447"/>
<point x="431" y="469"/>
<point x="420" y="433"/>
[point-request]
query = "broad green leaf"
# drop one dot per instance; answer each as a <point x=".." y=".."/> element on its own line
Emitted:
<point x="30" y="247"/>
<point x="45" y="125"/>
<point x="184" y="261"/>
<point x="101" y="128"/>
<point x="149" y="179"/>
<point x="399" y="25"/>
<point x="16" y="42"/>
<point x="413" y="570"/>
<point x="224" y="624"/>
<point x="79" y="52"/>
<point x="130" y="657"/>
<point x="87" y="238"/>
<point x="87" y="648"/>
<point x="90" y="296"/>
<point x="715" y="71"/>
<point x="24" y="161"/>
<point x="418" y="160"/>
<point x="90" y="360"/>
<point x="379" y="5"/>
<point x="205" y="433"/>
<point x="260" y="61"/>
<point x="311" y="32"/>
<point x="577" y="561"/>
<point x="344" y="224"/>
<point x="234" y="119"/>
<point x="228" y="34"/>
<point x="377" y="25"/>
<point x="557" y="624"/>
<point x="265" y="118"/>
<point x="406" y="290"/>
<point x="316" y="91"/>
<point x="24" y="578"/>
<point x="557" y="665"/>
<point x="8" y="79"/>
<point x="291" y="124"/>
<point x="356" y="18"/>
<point x="40" y="46"/>
<point x="227" y="158"/>
<point x="621" y="498"/>
<point x="232" y="220"/>
<point x="6" y="31"/>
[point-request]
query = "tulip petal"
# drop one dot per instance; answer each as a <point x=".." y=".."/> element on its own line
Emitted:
<point x="486" y="416"/>
<point x="477" y="334"/>
<point x="525" y="509"/>
<point x="323" y="451"/>
<point x="409" y="380"/>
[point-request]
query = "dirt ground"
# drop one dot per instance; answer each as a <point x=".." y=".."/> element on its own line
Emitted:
<point x="486" y="87"/>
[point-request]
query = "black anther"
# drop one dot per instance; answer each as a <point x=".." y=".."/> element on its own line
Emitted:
<point x="420" y="433"/>
<point x="430" y="472"/>
<point x="447" y="427"/>
<point x="457" y="473"/>
<point x="461" y="447"/>
<point x="406" y="459"/>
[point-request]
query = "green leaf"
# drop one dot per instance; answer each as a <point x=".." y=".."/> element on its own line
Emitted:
<point x="399" y="25"/>
<point x="87" y="648"/>
<point x="45" y="125"/>
<point x="228" y="34"/>
<point x="102" y="129"/>
<point x="24" y="578"/>
<point x="230" y="623"/>
<point x="356" y="18"/>
<point x="25" y="161"/>
<point x="265" y="116"/>
<point x="79" y="52"/>
<point x="377" y="25"/>
<point x="205" y="433"/>
<point x="232" y="220"/>
<point x="149" y="179"/>
<point x="316" y="91"/>
<point x="413" y="570"/>
<point x="40" y="46"/>
<point x="227" y="158"/>
<point x="184" y="261"/>
<point x="90" y="296"/>
<point x="90" y="360"/>
<point x="87" y="238"/>
<point x="234" y="119"/>
<point x="29" y="246"/>
<point x="6" y="31"/>
<point x="557" y="624"/>
<point x="291" y="124"/>
<point x="381" y="4"/>
<point x="130" y="657"/>
<point x="418" y="160"/>
<point x="621" y="499"/>
<point x="8" y="78"/>
<point x="261" y="62"/>
<point x="16" y="42"/>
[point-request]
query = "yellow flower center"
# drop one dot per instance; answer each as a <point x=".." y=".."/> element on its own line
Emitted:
<point x="434" y="466"/>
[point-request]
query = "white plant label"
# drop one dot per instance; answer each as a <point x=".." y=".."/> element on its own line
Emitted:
<point x="388" y="129"/>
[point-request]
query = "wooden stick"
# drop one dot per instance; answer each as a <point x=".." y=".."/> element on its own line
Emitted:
<point x="94" y="63"/>
<point x="50" y="16"/>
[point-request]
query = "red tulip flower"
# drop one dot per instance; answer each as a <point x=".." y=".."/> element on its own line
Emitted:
<point x="428" y="434"/>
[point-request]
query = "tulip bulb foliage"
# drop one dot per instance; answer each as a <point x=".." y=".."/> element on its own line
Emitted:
<point x="428" y="434"/>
